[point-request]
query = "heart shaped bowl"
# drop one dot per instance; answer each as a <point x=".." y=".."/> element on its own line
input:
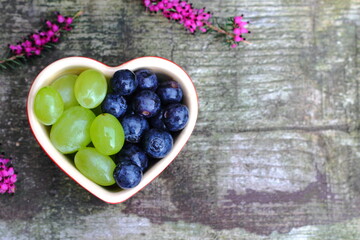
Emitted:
<point x="76" y="65"/>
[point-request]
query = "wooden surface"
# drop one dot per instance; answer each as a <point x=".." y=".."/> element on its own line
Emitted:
<point x="276" y="150"/>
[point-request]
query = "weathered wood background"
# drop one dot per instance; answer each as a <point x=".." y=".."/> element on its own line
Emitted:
<point x="276" y="150"/>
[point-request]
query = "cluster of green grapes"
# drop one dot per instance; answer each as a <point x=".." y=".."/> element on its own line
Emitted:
<point x="69" y="105"/>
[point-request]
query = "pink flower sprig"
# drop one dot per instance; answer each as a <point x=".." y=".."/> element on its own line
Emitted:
<point x="36" y="43"/>
<point x="195" y="19"/>
<point x="8" y="176"/>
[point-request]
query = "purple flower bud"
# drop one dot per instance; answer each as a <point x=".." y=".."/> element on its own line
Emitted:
<point x="50" y="33"/>
<point x="147" y="3"/>
<point x="161" y="6"/>
<point x="38" y="42"/>
<point x="10" y="171"/>
<point x="13" y="178"/>
<point x="55" y="28"/>
<point x="7" y="175"/>
<point x="13" y="48"/>
<point x="237" y="38"/>
<point x="68" y="20"/>
<point x="4" y="173"/>
<point x="4" y="186"/>
<point x="35" y="36"/>
<point x="60" y="18"/>
<point x="237" y="31"/>
<point x="49" y="24"/>
<point x="238" y="19"/>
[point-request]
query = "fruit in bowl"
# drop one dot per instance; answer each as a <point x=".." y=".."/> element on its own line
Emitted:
<point x="127" y="99"/>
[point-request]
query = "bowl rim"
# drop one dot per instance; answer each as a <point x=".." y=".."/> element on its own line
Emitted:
<point x="122" y="195"/>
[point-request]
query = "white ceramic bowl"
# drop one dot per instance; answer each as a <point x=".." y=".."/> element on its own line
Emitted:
<point x="78" y="64"/>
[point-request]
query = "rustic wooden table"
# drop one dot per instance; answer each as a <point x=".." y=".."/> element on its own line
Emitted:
<point x="276" y="150"/>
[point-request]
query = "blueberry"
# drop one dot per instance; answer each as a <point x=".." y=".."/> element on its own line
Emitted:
<point x="157" y="143"/>
<point x="147" y="79"/>
<point x="134" y="126"/>
<point x="127" y="175"/>
<point x="124" y="82"/>
<point x="176" y="116"/>
<point x="114" y="104"/>
<point x="157" y="121"/>
<point x="131" y="152"/>
<point x="170" y="92"/>
<point x="146" y="103"/>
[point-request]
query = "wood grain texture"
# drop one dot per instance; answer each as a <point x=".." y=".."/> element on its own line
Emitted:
<point x="275" y="153"/>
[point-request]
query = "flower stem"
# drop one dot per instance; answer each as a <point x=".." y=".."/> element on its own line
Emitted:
<point x="11" y="58"/>
<point x="78" y="14"/>
<point x="219" y="30"/>
<point x="222" y="31"/>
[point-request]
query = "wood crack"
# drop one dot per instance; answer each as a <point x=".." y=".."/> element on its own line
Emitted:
<point x="342" y="127"/>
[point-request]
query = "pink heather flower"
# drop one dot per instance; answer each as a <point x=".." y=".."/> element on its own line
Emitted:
<point x="4" y="161"/>
<point x="55" y="28"/>
<point x="160" y="5"/>
<point x="237" y="38"/>
<point x="34" y="44"/>
<point x="8" y="176"/>
<point x="191" y="18"/>
<point x="69" y="20"/>
<point x="238" y="19"/>
<point x="147" y="3"/>
<point x="60" y="18"/>
<point x="237" y="31"/>
<point x="50" y="33"/>
<point x="4" y="187"/>
<point x="16" y="49"/>
<point x="239" y="28"/>
<point x="48" y="24"/>
<point x="194" y="19"/>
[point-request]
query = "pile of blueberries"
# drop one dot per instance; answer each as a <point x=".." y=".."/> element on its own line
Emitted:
<point x="151" y="113"/>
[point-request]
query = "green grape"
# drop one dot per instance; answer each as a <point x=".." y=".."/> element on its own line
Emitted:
<point x="90" y="88"/>
<point x="65" y="86"/>
<point x="48" y="105"/>
<point x="107" y="134"/>
<point x="97" y="167"/>
<point x="72" y="131"/>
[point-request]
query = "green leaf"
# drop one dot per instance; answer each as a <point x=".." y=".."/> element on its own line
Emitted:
<point x="8" y="64"/>
<point x="16" y="62"/>
<point x="51" y="44"/>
